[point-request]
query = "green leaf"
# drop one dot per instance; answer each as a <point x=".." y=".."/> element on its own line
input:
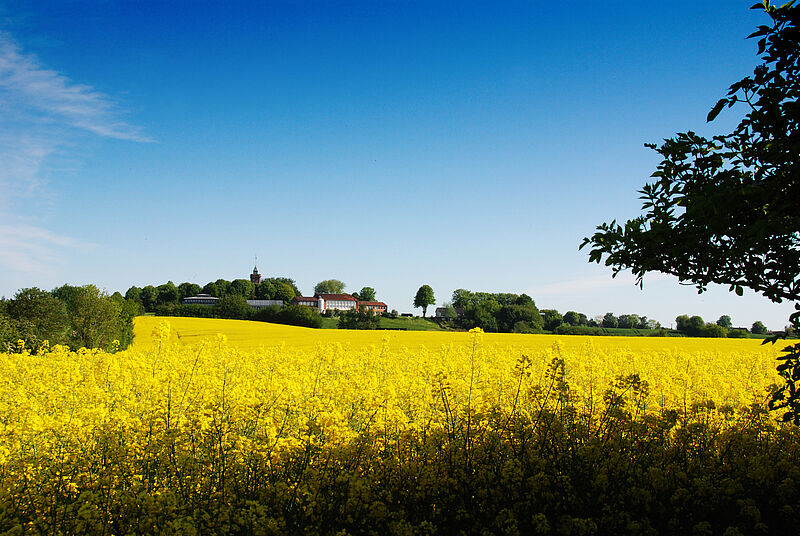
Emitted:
<point x="716" y="109"/>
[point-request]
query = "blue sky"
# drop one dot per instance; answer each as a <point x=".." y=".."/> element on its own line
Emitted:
<point x="387" y="144"/>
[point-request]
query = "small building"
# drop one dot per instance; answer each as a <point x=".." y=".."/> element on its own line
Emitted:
<point x="200" y="299"/>
<point x="338" y="302"/>
<point x="310" y="301"/>
<point x="442" y="311"/>
<point x="327" y="302"/>
<point x="263" y="304"/>
<point x="376" y="307"/>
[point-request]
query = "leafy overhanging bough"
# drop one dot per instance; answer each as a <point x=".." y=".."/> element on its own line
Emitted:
<point x="726" y="210"/>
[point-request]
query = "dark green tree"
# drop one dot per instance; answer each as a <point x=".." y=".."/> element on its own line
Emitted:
<point x="266" y="290"/>
<point x="758" y="328"/>
<point x="233" y="306"/>
<point x="167" y="294"/>
<point x="724" y="210"/>
<point x="571" y="318"/>
<point x="329" y="286"/>
<point x="284" y="292"/>
<point x="713" y="330"/>
<point x="424" y="298"/>
<point x="483" y="314"/>
<point x="725" y="322"/>
<point x="187" y="290"/>
<point x="552" y="319"/>
<point x="461" y="297"/>
<point x="289" y="281"/>
<point x="525" y="300"/>
<point x="211" y="289"/>
<point x="450" y="312"/>
<point x="36" y="315"/>
<point x="518" y="318"/>
<point x="223" y="287"/>
<point x="694" y="326"/>
<point x="610" y="321"/>
<point x="629" y="321"/>
<point x="354" y="319"/>
<point x="299" y="315"/>
<point x="96" y="319"/>
<point x="149" y="297"/>
<point x="243" y="288"/>
<point x="367" y="294"/>
<point x="134" y="293"/>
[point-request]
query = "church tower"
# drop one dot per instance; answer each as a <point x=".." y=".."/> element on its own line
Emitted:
<point x="255" y="277"/>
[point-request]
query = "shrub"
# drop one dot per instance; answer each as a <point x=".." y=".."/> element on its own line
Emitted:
<point x="354" y="319"/>
<point x="299" y="315"/>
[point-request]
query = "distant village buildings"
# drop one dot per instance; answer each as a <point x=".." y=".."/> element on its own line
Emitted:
<point x="339" y="302"/>
<point x="321" y="302"/>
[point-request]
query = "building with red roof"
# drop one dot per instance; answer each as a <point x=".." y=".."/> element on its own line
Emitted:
<point x="377" y="307"/>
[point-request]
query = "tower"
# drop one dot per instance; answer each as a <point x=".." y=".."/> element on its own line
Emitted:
<point x="255" y="277"/>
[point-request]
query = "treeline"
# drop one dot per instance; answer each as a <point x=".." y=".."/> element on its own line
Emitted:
<point x="500" y="312"/>
<point x="695" y="326"/>
<point x="235" y="307"/>
<point x="272" y="288"/>
<point x="517" y="313"/>
<point x="80" y="317"/>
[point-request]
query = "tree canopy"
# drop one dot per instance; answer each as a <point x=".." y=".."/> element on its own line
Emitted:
<point x="724" y="210"/>
<point x="424" y="298"/>
<point x="329" y="286"/>
<point x="367" y="294"/>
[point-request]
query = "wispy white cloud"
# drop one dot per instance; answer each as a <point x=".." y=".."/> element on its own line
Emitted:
<point x="43" y="118"/>
<point x="27" y="248"/>
<point x="24" y="79"/>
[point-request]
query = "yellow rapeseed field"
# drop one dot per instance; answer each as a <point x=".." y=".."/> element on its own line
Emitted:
<point x="247" y="335"/>
<point x="193" y="397"/>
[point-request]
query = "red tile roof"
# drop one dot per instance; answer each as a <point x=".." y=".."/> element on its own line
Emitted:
<point x="373" y="303"/>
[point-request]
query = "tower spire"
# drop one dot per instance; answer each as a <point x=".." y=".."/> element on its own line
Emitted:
<point x="255" y="277"/>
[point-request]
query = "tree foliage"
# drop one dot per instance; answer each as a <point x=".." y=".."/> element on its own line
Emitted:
<point x="724" y="210"/>
<point x="552" y="319"/>
<point x="329" y="286"/>
<point x="498" y="311"/>
<point x="367" y="294"/>
<point x="355" y="319"/>
<point x="76" y="316"/>
<point x="424" y="298"/>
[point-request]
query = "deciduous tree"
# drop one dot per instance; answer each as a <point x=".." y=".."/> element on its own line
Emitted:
<point x="424" y="298"/>
<point x="725" y="210"/>
<point x="329" y="286"/>
<point x="367" y="294"/>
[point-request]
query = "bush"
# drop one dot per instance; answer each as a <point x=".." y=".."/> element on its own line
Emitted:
<point x="233" y="306"/>
<point x="299" y="315"/>
<point x="566" y="329"/>
<point x="713" y="330"/>
<point x="267" y="314"/>
<point x="661" y="332"/>
<point x="524" y="327"/>
<point x="739" y="333"/>
<point x="354" y="319"/>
